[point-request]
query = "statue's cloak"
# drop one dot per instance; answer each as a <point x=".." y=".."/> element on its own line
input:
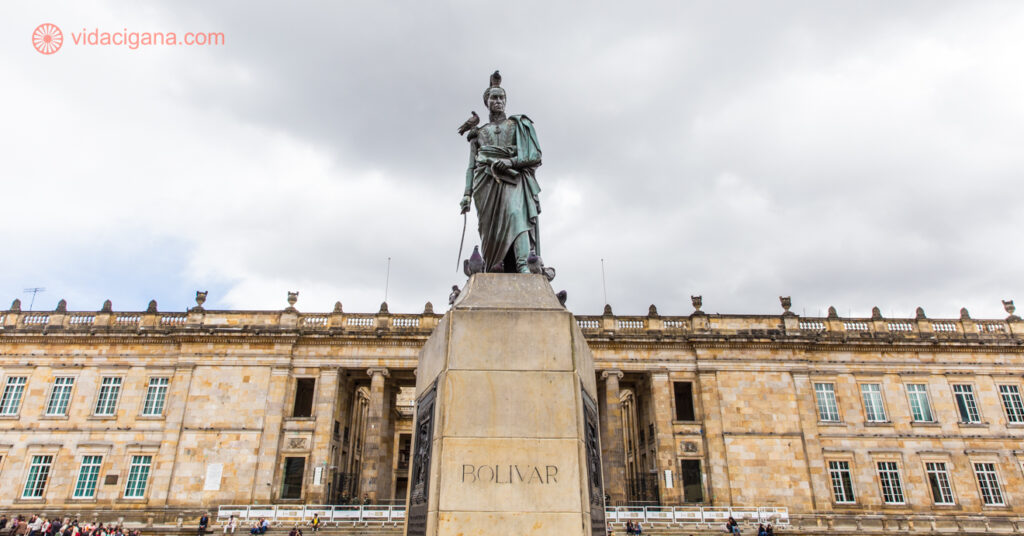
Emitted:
<point x="507" y="202"/>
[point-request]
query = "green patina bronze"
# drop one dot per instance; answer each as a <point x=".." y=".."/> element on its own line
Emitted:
<point x="501" y="179"/>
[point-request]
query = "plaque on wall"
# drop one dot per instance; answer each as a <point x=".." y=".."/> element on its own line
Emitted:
<point x="590" y="435"/>
<point x="419" y="472"/>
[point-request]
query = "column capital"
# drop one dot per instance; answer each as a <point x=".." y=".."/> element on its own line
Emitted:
<point x="611" y="372"/>
<point x="380" y="370"/>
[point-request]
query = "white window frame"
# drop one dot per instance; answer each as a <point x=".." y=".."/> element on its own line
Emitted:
<point x="940" y="473"/>
<point x="13" y="395"/>
<point x="866" y="392"/>
<point x="836" y="470"/>
<point x="94" y="464"/>
<point x="44" y="463"/>
<point x="917" y="395"/>
<point x="991" y="477"/>
<point x="63" y="387"/>
<point x="138" y="464"/>
<point x="970" y="404"/>
<point x="115" y="385"/>
<point x="1013" y="404"/>
<point x="156" y="392"/>
<point x="890" y="482"/>
<point x="828" y="408"/>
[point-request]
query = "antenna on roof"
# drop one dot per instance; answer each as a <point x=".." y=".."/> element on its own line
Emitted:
<point x="34" y="291"/>
<point x="387" y="280"/>
<point x="604" y="286"/>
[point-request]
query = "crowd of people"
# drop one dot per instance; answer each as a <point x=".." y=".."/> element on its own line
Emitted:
<point x="733" y="527"/>
<point x="42" y="526"/>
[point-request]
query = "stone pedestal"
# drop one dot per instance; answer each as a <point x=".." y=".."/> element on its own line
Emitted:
<point x="506" y="429"/>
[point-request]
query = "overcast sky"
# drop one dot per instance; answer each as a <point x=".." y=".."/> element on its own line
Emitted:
<point x="846" y="153"/>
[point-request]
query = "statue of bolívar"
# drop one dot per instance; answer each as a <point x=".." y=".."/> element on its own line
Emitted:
<point x="501" y="178"/>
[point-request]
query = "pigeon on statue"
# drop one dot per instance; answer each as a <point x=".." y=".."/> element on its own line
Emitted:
<point x="474" y="264"/>
<point x="454" y="295"/>
<point x="470" y="124"/>
<point x="562" y="296"/>
<point x="535" y="264"/>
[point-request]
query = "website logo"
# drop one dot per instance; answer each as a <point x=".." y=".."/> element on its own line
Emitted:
<point x="47" y="38"/>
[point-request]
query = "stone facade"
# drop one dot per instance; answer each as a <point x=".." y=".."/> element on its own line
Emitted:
<point x="154" y="414"/>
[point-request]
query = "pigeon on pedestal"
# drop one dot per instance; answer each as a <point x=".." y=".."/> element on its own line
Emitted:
<point x="474" y="264"/>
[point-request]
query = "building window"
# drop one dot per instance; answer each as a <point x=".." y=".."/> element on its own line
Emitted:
<point x="966" y="404"/>
<point x="156" y="394"/>
<point x="38" y="474"/>
<point x="1012" y="403"/>
<point x="873" y="409"/>
<point x="138" y="474"/>
<point x="11" y="399"/>
<point x="88" y="475"/>
<point x="110" y="390"/>
<point x="920" y="409"/>
<point x="303" y="406"/>
<point x="828" y="410"/>
<point x="889" y="477"/>
<point x="693" y="485"/>
<point x="60" y="396"/>
<point x="842" y="482"/>
<point x="684" y="401"/>
<point x="938" y="478"/>
<point x="988" y="483"/>
<point x="291" y="487"/>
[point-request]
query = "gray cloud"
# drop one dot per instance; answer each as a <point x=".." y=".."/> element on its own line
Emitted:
<point x="852" y="154"/>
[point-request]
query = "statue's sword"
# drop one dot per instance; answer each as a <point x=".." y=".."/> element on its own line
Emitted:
<point x="461" y="240"/>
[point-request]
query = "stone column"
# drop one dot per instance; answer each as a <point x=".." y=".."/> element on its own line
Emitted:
<point x="385" y="474"/>
<point x="176" y="405"/>
<point x="322" y="434"/>
<point x="277" y="389"/>
<point x="371" y="446"/>
<point x="661" y="416"/>
<point x="817" y="472"/>
<point x="615" y="450"/>
<point x="717" y="466"/>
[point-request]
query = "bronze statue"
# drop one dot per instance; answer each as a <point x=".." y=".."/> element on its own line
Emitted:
<point x="501" y="179"/>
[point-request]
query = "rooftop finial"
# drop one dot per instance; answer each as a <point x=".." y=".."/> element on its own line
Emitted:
<point x="786" y="303"/>
<point x="1009" y="308"/>
<point x="697" y="301"/>
<point x="200" y="299"/>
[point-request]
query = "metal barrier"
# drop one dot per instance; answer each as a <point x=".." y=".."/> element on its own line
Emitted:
<point x="383" y="514"/>
<point x="285" y="514"/>
<point x="709" y="516"/>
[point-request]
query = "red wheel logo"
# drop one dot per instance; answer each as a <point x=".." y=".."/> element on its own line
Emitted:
<point x="47" y="38"/>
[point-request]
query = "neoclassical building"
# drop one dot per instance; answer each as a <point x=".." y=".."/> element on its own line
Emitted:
<point x="159" y="413"/>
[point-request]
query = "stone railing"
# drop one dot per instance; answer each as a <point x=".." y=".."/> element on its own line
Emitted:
<point x="697" y="325"/>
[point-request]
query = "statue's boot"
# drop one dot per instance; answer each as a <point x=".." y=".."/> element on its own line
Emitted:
<point x="521" y="249"/>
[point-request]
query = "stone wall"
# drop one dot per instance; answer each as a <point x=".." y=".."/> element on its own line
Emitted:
<point x="756" y="431"/>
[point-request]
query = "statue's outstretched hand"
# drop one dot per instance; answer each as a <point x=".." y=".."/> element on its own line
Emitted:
<point x="464" y="204"/>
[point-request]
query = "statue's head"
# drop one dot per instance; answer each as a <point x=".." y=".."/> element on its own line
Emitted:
<point x="494" y="96"/>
